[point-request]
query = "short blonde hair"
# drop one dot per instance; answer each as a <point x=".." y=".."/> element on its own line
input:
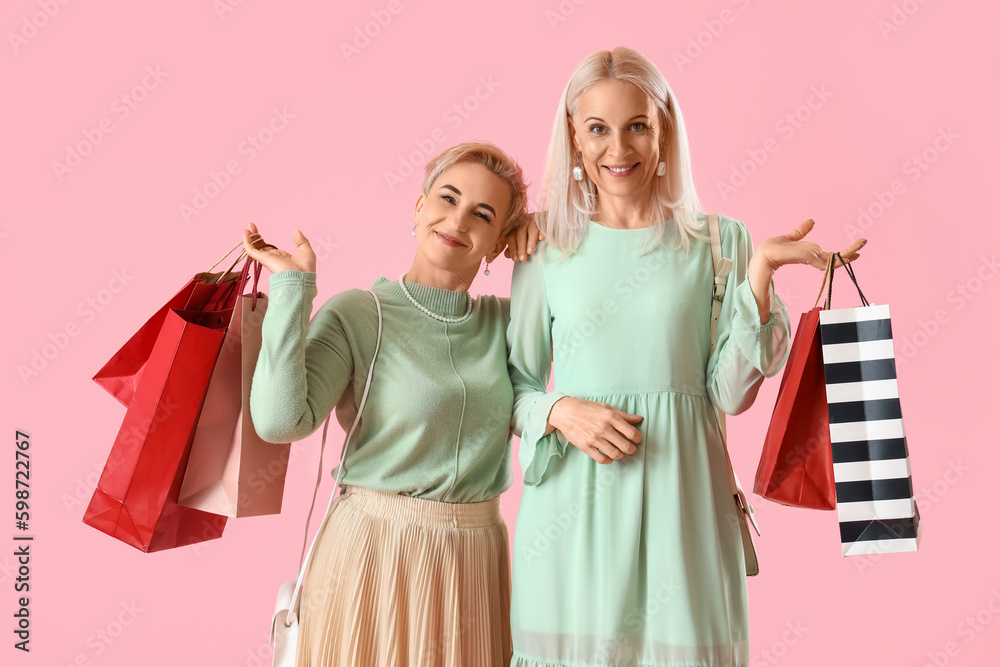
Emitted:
<point x="495" y="160"/>
<point x="570" y="203"/>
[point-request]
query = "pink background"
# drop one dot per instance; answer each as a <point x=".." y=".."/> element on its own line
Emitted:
<point x="95" y="248"/>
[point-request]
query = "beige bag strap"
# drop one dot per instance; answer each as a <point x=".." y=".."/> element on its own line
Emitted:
<point x="722" y="266"/>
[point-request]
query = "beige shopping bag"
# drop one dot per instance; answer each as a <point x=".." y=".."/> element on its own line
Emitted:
<point x="231" y="471"/>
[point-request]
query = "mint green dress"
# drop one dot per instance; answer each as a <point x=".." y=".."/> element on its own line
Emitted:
<point x="637" y="562"/>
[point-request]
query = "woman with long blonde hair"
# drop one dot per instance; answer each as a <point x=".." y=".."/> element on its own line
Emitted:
<point x="627" y="548"/>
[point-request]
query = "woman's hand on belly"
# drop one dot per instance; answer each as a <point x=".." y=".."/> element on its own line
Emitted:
<point x="602" y="432"/>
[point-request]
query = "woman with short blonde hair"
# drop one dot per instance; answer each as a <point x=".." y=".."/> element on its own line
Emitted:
<point x="411" y="566"/>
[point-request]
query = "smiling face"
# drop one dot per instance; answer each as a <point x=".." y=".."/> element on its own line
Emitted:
<point x="617" y="131"/>
<point x="459" y="220"/>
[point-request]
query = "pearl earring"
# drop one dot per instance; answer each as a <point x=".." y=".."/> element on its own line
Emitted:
<point x="577" y="171"/>
<point x="414" y="232"/>
<point x="661" y="168"/>
<point x="487" y="271"/>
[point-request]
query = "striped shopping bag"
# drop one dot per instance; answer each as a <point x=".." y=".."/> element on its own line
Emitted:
<point x="871" y="468"/>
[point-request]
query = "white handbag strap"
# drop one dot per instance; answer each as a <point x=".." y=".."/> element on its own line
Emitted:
<point x="305" y="558"/>
<point x="721" y="267"/>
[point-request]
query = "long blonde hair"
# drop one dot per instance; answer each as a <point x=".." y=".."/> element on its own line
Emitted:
<point x="571" y="203"/>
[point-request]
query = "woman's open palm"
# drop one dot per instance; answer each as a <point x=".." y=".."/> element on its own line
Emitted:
<point x="275" y="259"/>
<point x="792" y="249"/>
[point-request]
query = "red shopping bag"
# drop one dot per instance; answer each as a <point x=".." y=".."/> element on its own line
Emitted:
<point x="796" y="464"/>
<point x="205" y="291"/>
<point x="136" y="499"/>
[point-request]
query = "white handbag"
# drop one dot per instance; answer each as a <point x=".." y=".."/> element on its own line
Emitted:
<point x="722" y="266"/>
<point x="285" y="622"/>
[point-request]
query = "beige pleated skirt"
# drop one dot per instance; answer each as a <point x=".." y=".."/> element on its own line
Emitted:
<point x="397" y="581"/>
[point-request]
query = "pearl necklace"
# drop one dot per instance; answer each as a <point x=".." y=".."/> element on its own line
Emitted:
<point x="450" y="320"/>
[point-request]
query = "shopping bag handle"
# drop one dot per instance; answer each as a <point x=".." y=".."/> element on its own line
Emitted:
<point x="827" y="284"/>
<point x="850" y="273"/>
<point x="828" y="281"/>
<point x="255" y="265"/>
<point x="227" y="255"/>
<point x="240" y="283"/>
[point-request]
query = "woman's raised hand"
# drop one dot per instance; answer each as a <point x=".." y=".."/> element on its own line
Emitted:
<point x="791" y="249"/>
<point x="600" y="431"/>
<point x="275" y="259"/>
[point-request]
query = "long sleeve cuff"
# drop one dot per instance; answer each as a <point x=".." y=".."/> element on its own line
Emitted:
<point x="536" y="450"/>
<point x="764" y="345"/>
<point x="292" y="276"/>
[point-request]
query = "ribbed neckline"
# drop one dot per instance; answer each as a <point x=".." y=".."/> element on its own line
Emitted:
<point x="620" y="229"/>
<point x="450" y="303"/>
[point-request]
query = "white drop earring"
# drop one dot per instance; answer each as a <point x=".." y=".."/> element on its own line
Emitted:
<point x="577" y="170"/>
<point x="487" y="271"/>
<point x="661" y="168"/>
<point x="414" y="232"/>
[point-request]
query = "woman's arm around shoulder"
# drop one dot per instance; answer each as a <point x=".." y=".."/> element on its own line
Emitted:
<point x="529" y="341"/>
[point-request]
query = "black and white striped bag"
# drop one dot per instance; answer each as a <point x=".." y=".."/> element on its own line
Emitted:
<point x="875" y="501"/>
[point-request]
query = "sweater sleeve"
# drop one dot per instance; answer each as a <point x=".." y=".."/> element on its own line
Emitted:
<point x="529" y="341"/>
<point x="747" y="351"/>
<point x="303" y="367"/>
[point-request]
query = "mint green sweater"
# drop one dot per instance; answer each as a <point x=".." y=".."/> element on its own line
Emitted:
<point x="436" y="423"/>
